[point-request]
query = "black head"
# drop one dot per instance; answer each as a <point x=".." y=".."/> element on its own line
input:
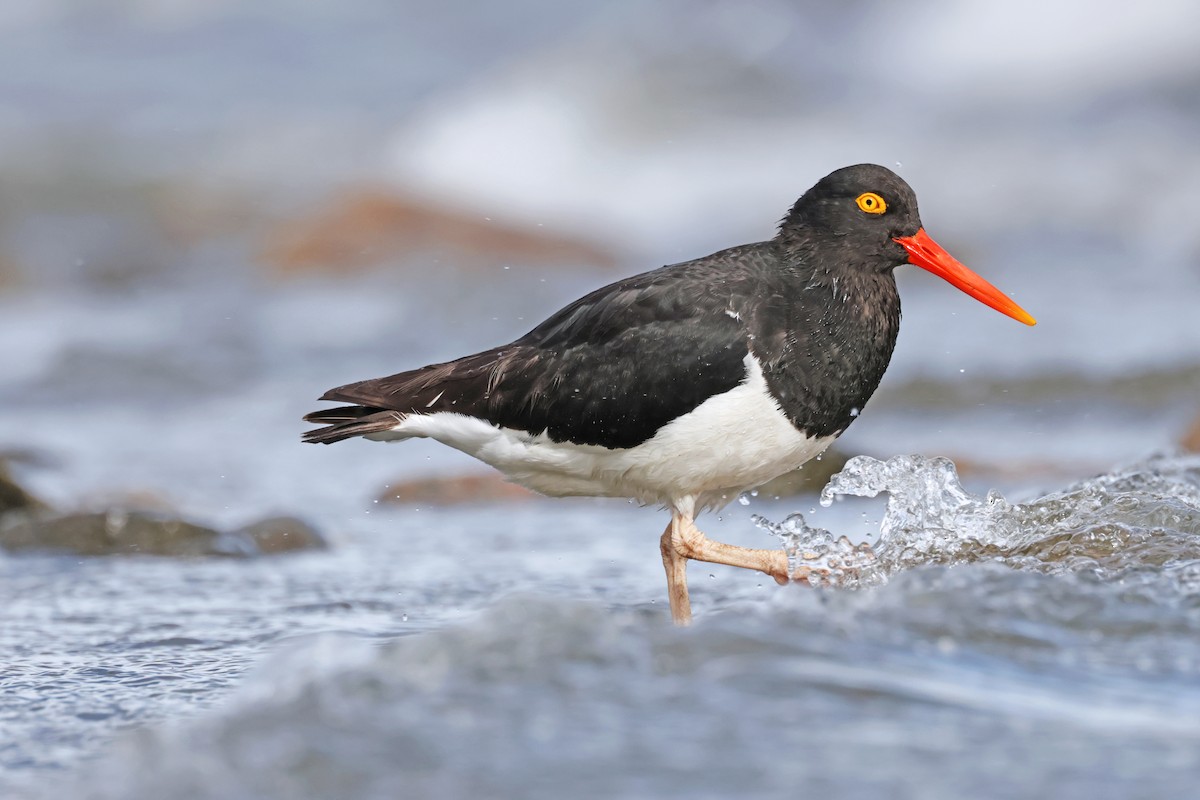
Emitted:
<point x="863" y="221"/>
<point x="860" y="209"/>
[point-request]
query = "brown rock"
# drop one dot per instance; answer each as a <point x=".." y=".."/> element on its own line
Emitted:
<point x="1191" y="439"/>
<point x="369" y="227"/>
<point x="455" y="490"/>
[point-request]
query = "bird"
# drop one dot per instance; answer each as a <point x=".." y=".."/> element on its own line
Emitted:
<point x="689" y="384"/>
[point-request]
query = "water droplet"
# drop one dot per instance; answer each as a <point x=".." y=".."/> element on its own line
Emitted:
<point x="743" y="499"/>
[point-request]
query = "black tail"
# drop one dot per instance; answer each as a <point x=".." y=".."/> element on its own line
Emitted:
<point x="348" y="422"/>
<point x="463" y="386"/>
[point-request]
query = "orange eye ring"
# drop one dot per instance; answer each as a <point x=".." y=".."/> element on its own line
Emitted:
<point x="871" y="203"/>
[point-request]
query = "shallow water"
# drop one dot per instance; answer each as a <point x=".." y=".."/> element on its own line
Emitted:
<point x="850" y="694"/>
<point x="1049" y="647"/>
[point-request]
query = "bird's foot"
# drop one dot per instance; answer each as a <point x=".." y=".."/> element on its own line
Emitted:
<point x="683" y="541"/>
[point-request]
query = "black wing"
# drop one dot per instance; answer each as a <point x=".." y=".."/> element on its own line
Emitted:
<point x="610" y="369"/>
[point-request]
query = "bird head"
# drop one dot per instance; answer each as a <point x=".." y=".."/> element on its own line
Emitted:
<point x="866" y="217"/>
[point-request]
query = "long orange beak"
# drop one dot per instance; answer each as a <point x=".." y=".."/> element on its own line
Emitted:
<point x="928" y="254"/>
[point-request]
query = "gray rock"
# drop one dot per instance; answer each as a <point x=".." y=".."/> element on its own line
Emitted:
<point x="117" y="532"/>
<point x="282" y="535"/>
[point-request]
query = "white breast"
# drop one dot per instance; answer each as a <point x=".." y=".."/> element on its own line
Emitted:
<point x="730" y="442"/>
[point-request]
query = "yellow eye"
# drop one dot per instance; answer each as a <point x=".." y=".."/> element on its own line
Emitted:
<point x="871" y="203"/>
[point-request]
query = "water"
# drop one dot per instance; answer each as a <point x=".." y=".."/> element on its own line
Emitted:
<point x="1061" y="634"/>
<point x="858" y="694"/>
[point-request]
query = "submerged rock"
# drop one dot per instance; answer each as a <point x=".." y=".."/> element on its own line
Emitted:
<point x="112" y="532"/>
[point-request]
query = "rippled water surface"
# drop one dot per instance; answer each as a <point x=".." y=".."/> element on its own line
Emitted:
<point x="1004" y="651"/>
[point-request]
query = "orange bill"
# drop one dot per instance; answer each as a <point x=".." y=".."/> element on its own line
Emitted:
<point x="927" y="254"/>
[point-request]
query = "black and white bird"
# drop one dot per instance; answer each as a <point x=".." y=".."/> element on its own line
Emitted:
<point x="686" y="385"/>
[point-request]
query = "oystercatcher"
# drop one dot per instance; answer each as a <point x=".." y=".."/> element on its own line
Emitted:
<point x="686" y="385"/>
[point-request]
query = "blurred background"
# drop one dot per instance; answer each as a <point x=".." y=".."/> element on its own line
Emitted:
<point x="211" y="211"/>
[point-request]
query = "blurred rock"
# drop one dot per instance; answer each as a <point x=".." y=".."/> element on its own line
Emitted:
<point x="282" y="535"/>
<point x="455" y="490"/>
<point x="13" y="497"/>
<point x="368" y="227"/>
<point x="144" y="533"/>
<point x="110" y="533"/>
<point x="1191" y="439"/>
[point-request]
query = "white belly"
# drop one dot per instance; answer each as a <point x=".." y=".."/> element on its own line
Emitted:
<point x="730" y="442"/>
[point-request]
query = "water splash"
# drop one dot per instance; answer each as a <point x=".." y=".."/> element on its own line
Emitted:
<point x="815" y="555"/>
<point x="1144" y="515"/>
